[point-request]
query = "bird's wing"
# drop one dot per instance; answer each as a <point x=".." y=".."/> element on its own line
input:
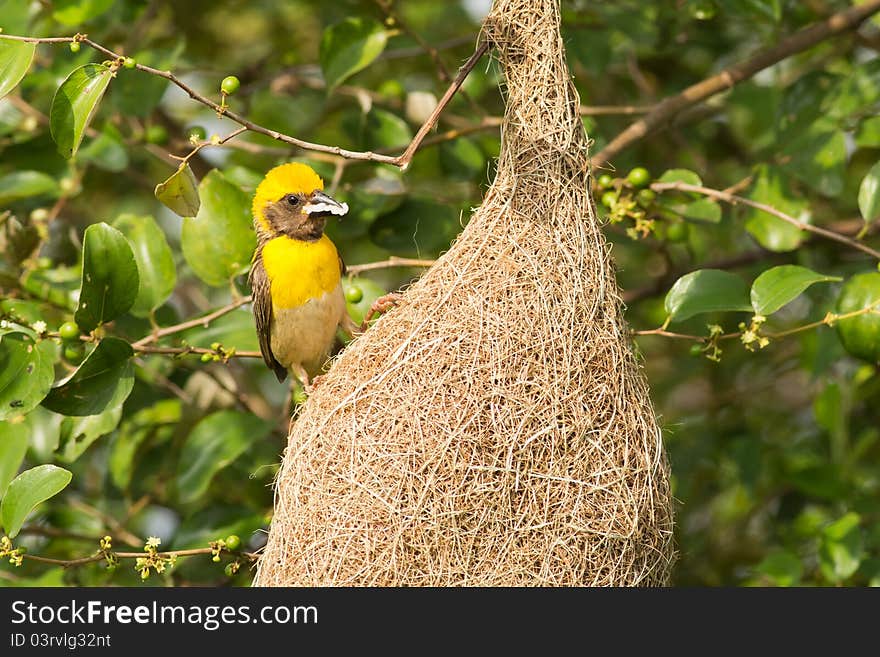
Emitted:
<point x="262" y="303"/>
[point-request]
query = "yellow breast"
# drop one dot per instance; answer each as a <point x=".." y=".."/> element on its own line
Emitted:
<point x="299" y="271"/>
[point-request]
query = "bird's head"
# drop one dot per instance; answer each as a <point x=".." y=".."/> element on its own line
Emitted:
<point x="290" y="201"/>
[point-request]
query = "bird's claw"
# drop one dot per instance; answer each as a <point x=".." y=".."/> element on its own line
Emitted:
<point x="380" y="306"/>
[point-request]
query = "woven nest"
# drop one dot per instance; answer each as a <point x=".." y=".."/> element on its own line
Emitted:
<point x="495" y="428"/>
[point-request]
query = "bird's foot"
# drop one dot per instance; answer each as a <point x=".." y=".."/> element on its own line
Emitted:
<point x="381" y="305"/>
<point x="310" y="387"/>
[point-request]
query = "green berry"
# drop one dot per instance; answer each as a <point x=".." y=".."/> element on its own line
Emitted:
<point x="207" y="358"/>
<point x="639" y="177"/>
<point x="604" y="181"/>
<point x="198" y="133"/>
<point x="230" y="569"/>
<point x="645" y="197"/>
<point x="354" y="294"/>
<point x="696" y="350"/>
<point x="216" y="558"/>
<point x="73" y="353"/>
<point x="129" y="62"/>
<point x="703" y="10"/>
<point x="233" y="542"/>
<point x="74" y="46"/>
<point x="69" y="331"/>
<point x="609" y="198"/>
<point x="230" y="85"/>
<point x="156" y="134"/>
<point x="677" y="232"/>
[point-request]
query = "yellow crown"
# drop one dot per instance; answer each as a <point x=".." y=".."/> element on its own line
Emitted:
<point x="290" y="178"/>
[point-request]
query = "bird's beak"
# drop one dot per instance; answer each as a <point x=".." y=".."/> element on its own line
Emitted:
<point x="319" y="202"/>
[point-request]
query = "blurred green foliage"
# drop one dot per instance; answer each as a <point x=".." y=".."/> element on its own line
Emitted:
<point x="774" y="443"/>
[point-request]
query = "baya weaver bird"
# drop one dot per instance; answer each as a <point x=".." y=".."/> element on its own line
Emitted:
<point x="296" y="273"/>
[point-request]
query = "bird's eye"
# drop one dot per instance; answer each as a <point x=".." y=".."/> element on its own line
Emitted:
<point x="292" y="199"/>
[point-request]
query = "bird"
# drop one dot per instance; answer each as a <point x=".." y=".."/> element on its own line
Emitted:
<point x="296" y="273"/>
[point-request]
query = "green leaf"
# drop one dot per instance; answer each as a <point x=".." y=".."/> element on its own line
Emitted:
<point x="681" y="175"/>
<point x="349" y="47"/>
<point x="106" y="151"/>
<point x="13" y="447"/>
<point x="15" y="60"/>
<point x="26" y="491"/>
<point x="868" y="133"/>
<point x="109" y="282"/>
<point x="157" y="274"/>
<point x="818" y="158"/>
<point x="782" y="567"/>
<point x="706" y="291"/>
<point x="44" y="429"/>
<point x="704" y="209"/>
<point x="74" y="12"/>
<point x="156" y="420"/>
<point x="215" y="442"/>
<point x="462" y="159"/>
<point x="219" y="242"/>
<point x="103" y="380"/>
<point x="382" y="129"/>
<point x="78" y="433"/>
<point x="25" y="184"/>
<point x="773" y="188"/>
<point x="417" y="227"/>
<point x="75" y="104"/>
<point x="869" y="195"/>
<point x="26" y="373"/>
<point x="780" y="285"/>
<point x="841" y="550"/>
<point x="180" y="192"/>
<point x="235" y="329"/>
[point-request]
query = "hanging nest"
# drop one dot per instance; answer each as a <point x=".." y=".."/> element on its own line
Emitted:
<point x="495" y="428"/>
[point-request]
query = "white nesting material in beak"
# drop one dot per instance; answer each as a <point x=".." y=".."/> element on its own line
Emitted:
<point x="321" y="206"/>
<point x="320" y="202"/>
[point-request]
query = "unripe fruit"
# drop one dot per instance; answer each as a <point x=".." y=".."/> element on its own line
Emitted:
<point x="645" y="197"/>
<point x="696" y="350"/>
<point x="604" y="181"/>
<point x="129" y="62"/>
<point x="156" y="134"/>
<point x="860" y="335"/>
<point x="230" y="85"/>
<point x="677" y="232"/>
<point x="233" y="542"/>
<point x="229" y="570"/>
<point x="74" y="46"/>
<point x="609" y="198"/>
<point x="68" y="331"/>
<point x="354" y="294"/>
<point x="639" y="177"/>
<point x="73" y="353"/>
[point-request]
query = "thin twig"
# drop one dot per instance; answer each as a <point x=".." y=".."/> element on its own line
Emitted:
<point x="828" y="320"/>
<point x="203" y="321"/>
<point x="402" y="161"/>
<point x="804" y="39"/>
<point x="740" y="200"/>
<point x="393" y="261"/>
<point x="102" y="556"/>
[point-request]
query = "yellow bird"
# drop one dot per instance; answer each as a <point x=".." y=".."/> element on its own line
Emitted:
<point x="296" y="273"/>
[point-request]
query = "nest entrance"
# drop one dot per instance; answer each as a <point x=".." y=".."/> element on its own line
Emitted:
<point x="495" y="429"/>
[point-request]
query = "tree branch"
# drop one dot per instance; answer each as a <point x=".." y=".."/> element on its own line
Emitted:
<point x="402" y="161"/>
<point x="737" y="200"/>
<point x="804" y="39"/>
